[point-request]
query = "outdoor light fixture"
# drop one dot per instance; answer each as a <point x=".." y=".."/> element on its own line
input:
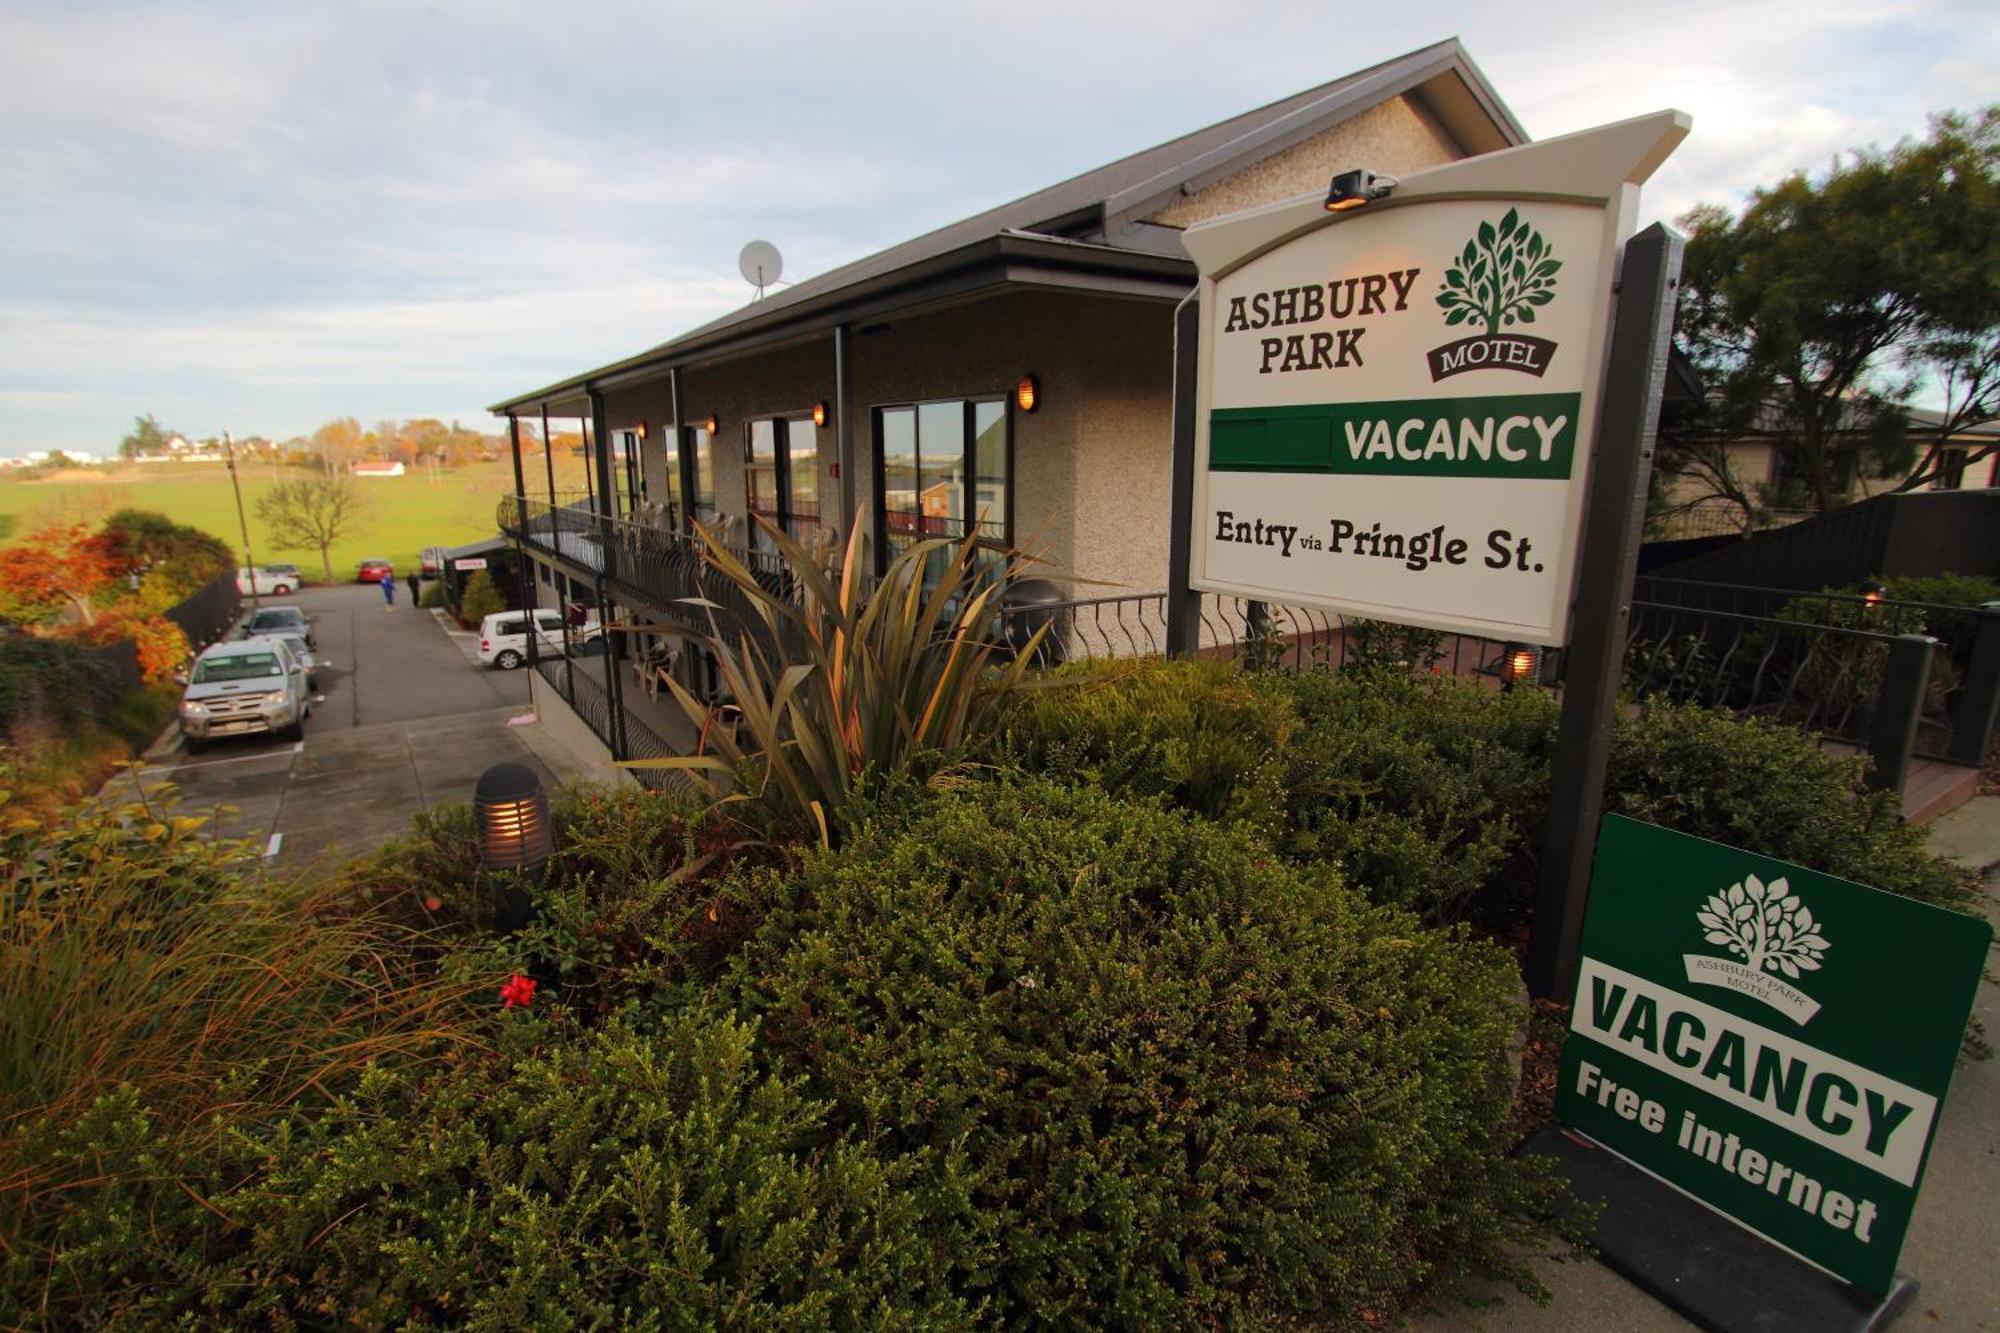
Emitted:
<point x="1873" y="591"/>
<point x="1352" y="189"/>
<point x="510" y="813"/>
<point x="819" y="413"/>
<point x="709" y="425"/>
<point x="1027" y="394"/>
<point x="640" y="430"/>
<point x="1523" y="661"/>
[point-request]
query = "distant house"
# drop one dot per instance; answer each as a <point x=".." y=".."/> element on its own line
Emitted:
<point x="1761" y="466"/>
<point x="373" y="469"/>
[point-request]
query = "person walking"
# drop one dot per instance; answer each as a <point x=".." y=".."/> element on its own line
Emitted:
<point x="389" y="591"/>
<point x="416" y="592"/>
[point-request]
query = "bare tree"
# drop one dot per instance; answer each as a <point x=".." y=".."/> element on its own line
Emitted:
<point x="312" y="513"/>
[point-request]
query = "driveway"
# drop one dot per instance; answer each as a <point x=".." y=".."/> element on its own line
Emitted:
<point x="403" y="719"/>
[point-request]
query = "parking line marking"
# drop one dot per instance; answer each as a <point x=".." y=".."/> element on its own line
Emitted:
<point x="298" y="747"/>
<point x="271" y="848"/>
<point x="213" y="763"/>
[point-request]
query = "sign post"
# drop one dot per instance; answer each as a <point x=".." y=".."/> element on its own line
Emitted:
<point x="1776" y="1044"/>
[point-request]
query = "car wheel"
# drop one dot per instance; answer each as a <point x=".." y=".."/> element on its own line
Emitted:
<point x="194" y="746"/>
<point x="507" y="660"/>
<point x="297" y="731"/>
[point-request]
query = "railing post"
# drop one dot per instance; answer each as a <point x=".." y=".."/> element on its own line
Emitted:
<point x="1899" y="703"/>
<point x="1979" y="697"/>
<point x="1183" y="602"/>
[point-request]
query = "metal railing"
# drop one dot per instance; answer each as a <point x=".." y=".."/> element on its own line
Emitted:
<point x="1895" y="679"/>
<point x="1960" y="692"/>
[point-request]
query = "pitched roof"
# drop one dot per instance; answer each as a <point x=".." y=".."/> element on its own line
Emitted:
<point x="1087" y="206"/>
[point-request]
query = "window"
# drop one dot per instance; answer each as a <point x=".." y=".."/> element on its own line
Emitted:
<point x="698" y="473"/>
<point x="1951" y="470"/>
<point x="945" y="468"/>
<point x="781" y="476"/>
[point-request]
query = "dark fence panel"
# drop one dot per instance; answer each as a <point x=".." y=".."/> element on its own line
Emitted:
<point x="1922" y="532"/>
<point x="210" y="614"/>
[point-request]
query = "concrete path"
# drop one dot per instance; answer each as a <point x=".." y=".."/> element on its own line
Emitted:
<point x="405" y="719"/>
<point x="1953" y="1246"/>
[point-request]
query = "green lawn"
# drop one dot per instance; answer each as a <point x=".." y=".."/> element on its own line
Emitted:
<point x="403" y="514"/>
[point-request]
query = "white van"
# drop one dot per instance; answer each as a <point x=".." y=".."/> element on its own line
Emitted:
<point x="503" y="637"/>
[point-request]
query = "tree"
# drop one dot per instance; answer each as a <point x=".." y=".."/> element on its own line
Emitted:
<point x="480" y="598"/>
<point x="336" y="444"/>
<point x="58" y="565"/>
<point x="146" y="437"/>
<point x="1818" y="312"/>
<point x="311" y="514"/>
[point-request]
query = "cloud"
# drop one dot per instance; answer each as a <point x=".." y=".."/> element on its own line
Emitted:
<point x="259" y="216"/>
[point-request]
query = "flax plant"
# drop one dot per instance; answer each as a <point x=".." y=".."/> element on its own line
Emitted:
<point x="835" y="682"/>
<point x="137" y="952"/>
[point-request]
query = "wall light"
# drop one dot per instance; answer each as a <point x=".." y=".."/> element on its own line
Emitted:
<point x="1522" y="662"/>
<point x="640" y="430"/>
<point x="1352" y="189"/>
<point x="510" y="814"/>
<point x="1028" y="394"/>
<point x="709" y="425"/>
<point x="1873" y="591"/>
<point x="819" y="413"/>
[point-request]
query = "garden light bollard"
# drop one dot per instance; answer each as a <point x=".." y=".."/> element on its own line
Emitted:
<point x="510" y="812"/>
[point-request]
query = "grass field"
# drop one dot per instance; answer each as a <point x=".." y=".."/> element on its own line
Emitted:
<point x="402" y="516"/>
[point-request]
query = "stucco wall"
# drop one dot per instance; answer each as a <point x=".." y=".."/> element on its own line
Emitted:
<point x="1396" y="136"/>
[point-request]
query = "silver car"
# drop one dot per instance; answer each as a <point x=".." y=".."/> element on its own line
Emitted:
<point x="244" y="687"/>
<point x="302" y="651"/>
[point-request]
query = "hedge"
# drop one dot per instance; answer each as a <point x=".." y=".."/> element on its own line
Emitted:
<point x="1145" y="1073"/>
<point x="1432" y="792"/>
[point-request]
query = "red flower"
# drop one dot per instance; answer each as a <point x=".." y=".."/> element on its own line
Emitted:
<point x="519" y="990"/>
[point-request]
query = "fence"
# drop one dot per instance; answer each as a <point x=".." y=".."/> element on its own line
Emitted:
<point x="211" y="613"/>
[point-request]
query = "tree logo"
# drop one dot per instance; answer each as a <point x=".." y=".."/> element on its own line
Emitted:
<point x="1771" y="930"/>
<point x="1506" y="273"/>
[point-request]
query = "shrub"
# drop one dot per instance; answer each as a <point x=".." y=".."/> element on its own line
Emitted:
<point x="60" y="683"/>
<point x="836" y="682"/>
<point x="1422" y="787"/>
<point x="1204" y="735"/>
<point x="1944" y="589"/>
<point x="626" y="1178"/>
<point x="479" y="599"/>
<point x="432" y="595"/>
<point x="1150" y="1075"/>
<point x="1432" y="792"/>
<point x="137" y="953"/>
<point x="632" y="906"/>
<point x="1764" y="787"/>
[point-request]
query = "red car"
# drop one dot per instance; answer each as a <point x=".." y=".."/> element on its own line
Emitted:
<point x="372" y="571"/>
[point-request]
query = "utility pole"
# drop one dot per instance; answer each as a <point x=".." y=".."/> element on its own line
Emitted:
<point x="249" y="561"/>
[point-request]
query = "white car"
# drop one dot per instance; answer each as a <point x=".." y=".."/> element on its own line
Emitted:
<point x="503" y="637"/>
<point x="266" y="580"/>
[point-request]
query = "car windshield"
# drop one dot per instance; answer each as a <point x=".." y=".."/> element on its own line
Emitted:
<point x="237" y="666"/>
<point x="266" y="619"/>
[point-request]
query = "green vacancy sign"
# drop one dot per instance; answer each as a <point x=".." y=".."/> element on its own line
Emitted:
<point x="1771" y="1040"/>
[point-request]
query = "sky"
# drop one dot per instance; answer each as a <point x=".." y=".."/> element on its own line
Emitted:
<point x="258" y="216"/>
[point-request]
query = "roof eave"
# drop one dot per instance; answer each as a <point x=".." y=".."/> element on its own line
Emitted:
<point x="1008" y="258"/>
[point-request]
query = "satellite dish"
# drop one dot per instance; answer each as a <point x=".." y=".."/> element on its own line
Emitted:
<point x="760" y="263"/>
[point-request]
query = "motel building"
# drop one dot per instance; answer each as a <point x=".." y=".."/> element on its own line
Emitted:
<point x="1011" y="372"/>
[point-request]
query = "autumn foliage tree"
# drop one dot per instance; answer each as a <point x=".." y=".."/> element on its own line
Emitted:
<point x="60" y="566"/>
